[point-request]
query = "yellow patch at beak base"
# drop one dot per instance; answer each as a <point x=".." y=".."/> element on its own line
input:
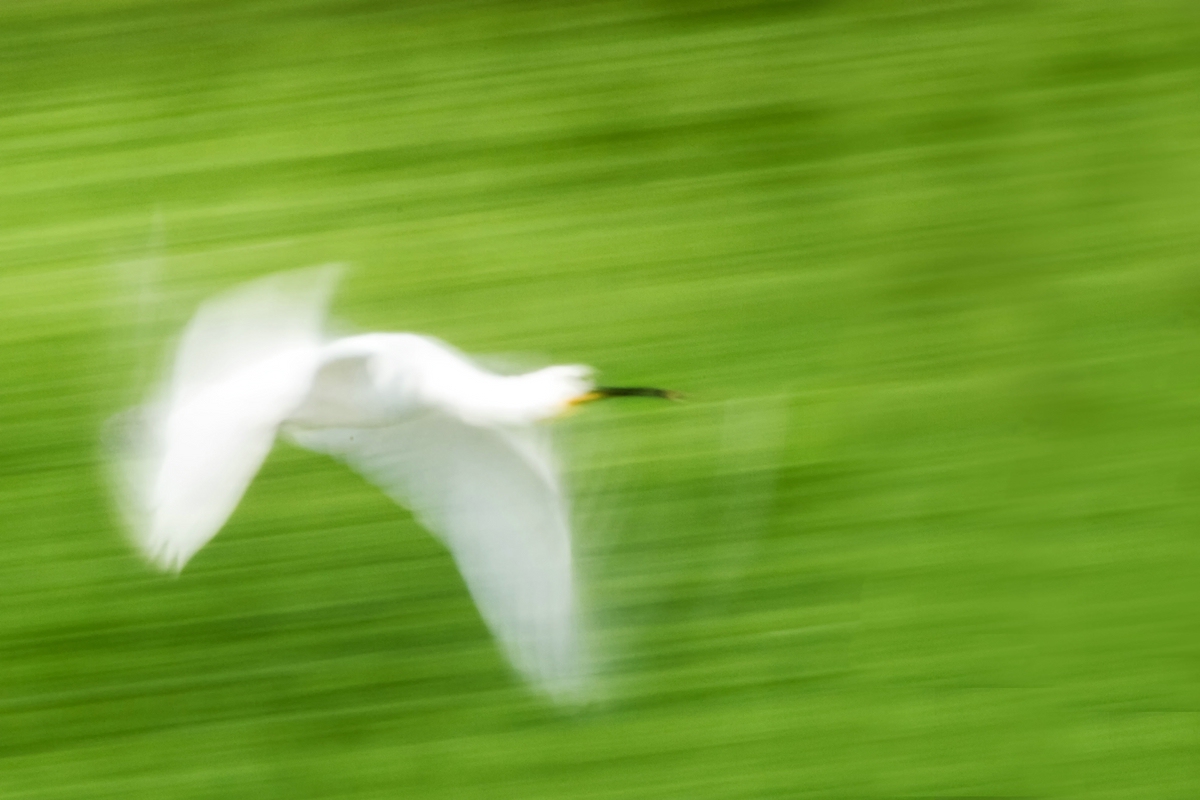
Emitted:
<point x="585" y="398"/>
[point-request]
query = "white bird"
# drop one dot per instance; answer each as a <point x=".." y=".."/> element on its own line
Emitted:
<point x="458" y="445"/>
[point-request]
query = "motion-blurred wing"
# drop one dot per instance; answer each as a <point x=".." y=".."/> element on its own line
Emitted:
<point x="251" y="323"/>
<point x="493" y="497"/>
<point x="183" y="461"/>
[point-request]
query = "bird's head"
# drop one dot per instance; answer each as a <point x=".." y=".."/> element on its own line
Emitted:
<point x="553" y="390"/>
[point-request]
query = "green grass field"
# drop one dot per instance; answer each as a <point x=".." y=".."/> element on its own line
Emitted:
<point x="925" y="529"/>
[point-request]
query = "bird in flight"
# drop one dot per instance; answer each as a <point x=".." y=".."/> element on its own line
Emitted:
<point x="460" y="446"/>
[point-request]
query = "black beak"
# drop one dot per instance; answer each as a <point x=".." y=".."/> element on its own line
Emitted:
<point x="603" y="392"/>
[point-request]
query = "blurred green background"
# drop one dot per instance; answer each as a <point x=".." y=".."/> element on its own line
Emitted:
<point x="927" y="270"/>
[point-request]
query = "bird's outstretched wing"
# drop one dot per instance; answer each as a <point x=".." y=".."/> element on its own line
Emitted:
<point x="251" y="323"/>
<point x="492" y="495"/>
<point x="182" y="461"/>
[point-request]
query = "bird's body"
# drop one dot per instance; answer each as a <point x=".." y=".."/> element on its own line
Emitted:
<point x="457" y="444"/>
<point x="404" y="374"/>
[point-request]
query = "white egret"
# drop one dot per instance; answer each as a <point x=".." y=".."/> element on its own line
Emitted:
<point x="458" y="445"/>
